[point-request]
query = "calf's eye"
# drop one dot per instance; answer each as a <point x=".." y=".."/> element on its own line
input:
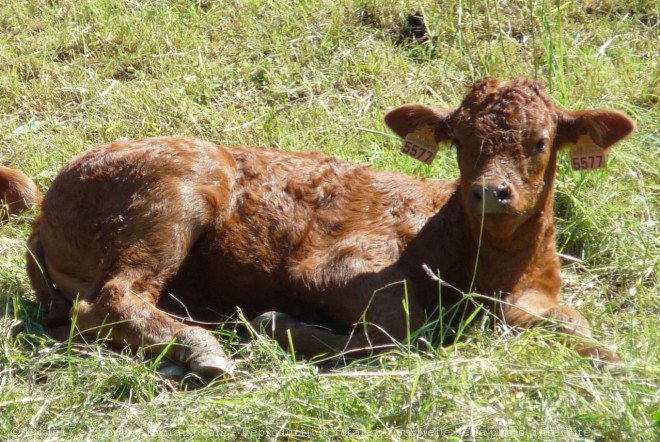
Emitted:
<point x="541" y="145"/>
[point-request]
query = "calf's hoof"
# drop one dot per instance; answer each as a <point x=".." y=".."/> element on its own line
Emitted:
<point x="270" y="323"/>
<point x="602" y="358"/>
<point x="210" y="366"/>
<point x="199" y="350"/>
<point x="207" y="367"/>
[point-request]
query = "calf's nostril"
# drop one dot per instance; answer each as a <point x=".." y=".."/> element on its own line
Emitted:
<point x="476" y="195"/>
<point x="503" y="192"/>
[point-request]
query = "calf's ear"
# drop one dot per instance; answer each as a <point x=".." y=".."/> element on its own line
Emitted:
<point x="411" y="117"/>
<point x="603" y="126"/>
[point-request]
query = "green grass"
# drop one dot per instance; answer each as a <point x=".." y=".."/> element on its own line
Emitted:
<point x="319" y="75"/>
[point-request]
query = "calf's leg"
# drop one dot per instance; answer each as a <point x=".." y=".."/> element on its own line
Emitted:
<point x="124" y="276"/>
<point x="57" y="320"/>
<point x="383" y="318"/>
<point x="302" y="338"/>
<point x="310" y="340"/>
<point x="532" y="308"/>
<point x="127" y="316"/>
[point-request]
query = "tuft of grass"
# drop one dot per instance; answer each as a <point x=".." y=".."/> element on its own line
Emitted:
<point x="319" y="75"/>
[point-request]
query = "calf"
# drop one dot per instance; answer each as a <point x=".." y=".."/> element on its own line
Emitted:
<point x="134" y="229"/>
<point x="17" y="193"/>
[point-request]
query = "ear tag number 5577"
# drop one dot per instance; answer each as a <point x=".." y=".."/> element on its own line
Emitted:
<point x="420" y="145"/>
<point x="586" y="155"/>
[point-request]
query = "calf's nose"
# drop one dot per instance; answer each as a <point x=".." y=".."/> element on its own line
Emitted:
<point x="490" y="198"/>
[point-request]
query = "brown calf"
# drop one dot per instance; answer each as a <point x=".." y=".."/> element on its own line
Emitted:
<point x="133" y="229"/>
<point x="17" y="193"/>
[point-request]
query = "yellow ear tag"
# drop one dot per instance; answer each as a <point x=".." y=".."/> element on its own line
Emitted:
<point x="420" y="144"/>
<point x="586" y="155"/>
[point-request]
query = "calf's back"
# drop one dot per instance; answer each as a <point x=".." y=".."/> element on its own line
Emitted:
<point x="270" y="230"/>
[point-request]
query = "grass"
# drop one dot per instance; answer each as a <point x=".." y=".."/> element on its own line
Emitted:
<point x="319" y="75"/>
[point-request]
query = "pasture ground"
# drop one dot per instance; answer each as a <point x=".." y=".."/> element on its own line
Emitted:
<point x="320" y="75"/>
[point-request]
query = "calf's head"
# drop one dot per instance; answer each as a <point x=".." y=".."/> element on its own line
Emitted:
<point x="507" y="134"/>
<point x="17" y="192"/>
